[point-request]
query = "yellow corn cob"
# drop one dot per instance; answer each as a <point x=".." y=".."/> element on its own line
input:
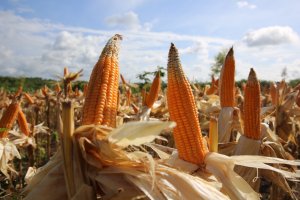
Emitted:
<point x="183" y="110"/>
<point x="154" y="90"/>
<point x="227" y="81"/>
<point x="45" y="90"/>
<point x="252" y="105"/>
<point x="274" y="93"/>
<point x="213" y="135"/>
<point x="66" y="71"/>
<point x="100" y="105"/>
<point x="22" y="122"/>
<point x="28" y="98"/>
<point x="128" y="96"/>
<point x="57" y="88"/>
<point x="19" y="91"/>
<point x="8" y="118"/>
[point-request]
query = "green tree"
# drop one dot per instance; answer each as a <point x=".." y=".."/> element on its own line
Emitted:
<point x="218" y="62"/>
<point x="144" y="76"/>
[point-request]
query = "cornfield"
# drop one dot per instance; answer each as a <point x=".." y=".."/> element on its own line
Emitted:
<point x="184" y="141"/>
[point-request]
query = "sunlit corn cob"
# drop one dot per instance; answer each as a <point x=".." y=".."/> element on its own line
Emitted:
<point x="8" y="118"/>
<point x="274" y="93"/>
<point x="213" y="87"/>
<point x="28" y="98"/>
<point x="19" y="91"/>
<point x="252" y="128"/>
<point x="183" y="110"/>
<point x="45" y="91"/>
<point x="154" y="91"/>
<point x="66" y="71"/>
<point x="227" y="87"/>
<point x="100" y="105"/>
<point x="128" y="96"/>
<point x="213" y="135"/>
<point x="57" y="88"/>
<point x="22" y="122"/>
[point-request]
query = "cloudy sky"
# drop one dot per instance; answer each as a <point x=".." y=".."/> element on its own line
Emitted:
<point x="39" y="38"/>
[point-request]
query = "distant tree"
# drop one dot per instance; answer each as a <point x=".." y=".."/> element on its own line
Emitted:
<point x="145" y="75"/>
<point x="284" y="73"/>
<point x="218" y="62"/>
<point x="146" y="80"/>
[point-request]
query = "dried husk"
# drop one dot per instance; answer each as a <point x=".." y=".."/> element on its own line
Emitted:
<point x="227" y="122"/>
<point x="248" y="146"/>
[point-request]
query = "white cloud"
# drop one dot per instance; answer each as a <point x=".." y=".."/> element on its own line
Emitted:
<point x="33" y="47"/>
<point x="273" y="35"/>
<point x="129" y="20"/>
<point x="24" y="9"/>
<point x="245" y="4"/>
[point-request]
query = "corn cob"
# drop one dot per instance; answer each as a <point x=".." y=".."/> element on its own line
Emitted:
<point x="22" y="122"/>
<point x="57" y="88"/>
<point x="8" y="118"/>
<point x="128" y="96"/>
<point x="66" y="71"/>
<point x="252" y="128"/>
<point x="213" y="135"/>
<point x="182" y="108"/>
<point x="154" y="90"/>
<point x="227" y="81"/>
<point x="274" y="93"/>
<point x="19" y="91"/>
<point x="45" y="90"/>
<point x="100" y="105"/>
<point x="28" y="97"/>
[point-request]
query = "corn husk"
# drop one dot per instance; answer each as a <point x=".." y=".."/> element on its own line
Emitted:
<point x="8" y="151"/>
<point x="45" y="180"/>
<point x="227" y="122"/>
<point x="248" y="146"/>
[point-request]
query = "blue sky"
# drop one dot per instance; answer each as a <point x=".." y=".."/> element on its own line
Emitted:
<point x="39" y="38"/>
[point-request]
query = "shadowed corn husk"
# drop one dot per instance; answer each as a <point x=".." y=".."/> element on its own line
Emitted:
<point x="228" y="121"/>
<point x="66" y="167"/>
<point x="8" y="151"/>
<point x="248" y="146"/>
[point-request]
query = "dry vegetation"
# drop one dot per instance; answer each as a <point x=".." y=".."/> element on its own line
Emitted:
<point x="220" y="141"/>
